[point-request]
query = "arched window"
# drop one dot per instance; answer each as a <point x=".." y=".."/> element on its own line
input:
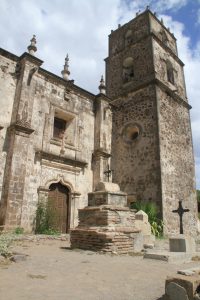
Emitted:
<point x="128" y="69"/>
<point x="170" y="72"/>
<point x="128" y="37"/>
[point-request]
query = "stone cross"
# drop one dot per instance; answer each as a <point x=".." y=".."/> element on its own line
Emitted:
<point x="108" y="173"/>
<point x="180" y="211"/>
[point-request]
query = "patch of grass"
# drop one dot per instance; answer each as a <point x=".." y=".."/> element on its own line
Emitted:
<point x="19" y="230"/>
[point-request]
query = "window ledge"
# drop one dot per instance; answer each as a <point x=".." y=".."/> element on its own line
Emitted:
<point x="58" y="142"/>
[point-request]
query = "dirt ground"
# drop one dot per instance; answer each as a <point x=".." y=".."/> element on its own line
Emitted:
<point x="52" y="271"/>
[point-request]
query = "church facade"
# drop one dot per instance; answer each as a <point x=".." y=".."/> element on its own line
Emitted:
<point x="57" y="139"/>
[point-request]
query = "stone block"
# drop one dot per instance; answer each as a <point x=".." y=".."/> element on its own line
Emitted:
<point x="171" y="257"/>
<point x="18" y="257"/>
<point x="190" y="271"/>
<point x="148" y="239"/>
<point x="107" y="187"/>
<point x="109" y="198"/>
<point x="176" y="292"/>
<point x="141" y="222"/>
<point x="142" y="216"/>
<point x="137" y="241"/>
<point x="185" y="286"/>
<point x="182" y="243"/>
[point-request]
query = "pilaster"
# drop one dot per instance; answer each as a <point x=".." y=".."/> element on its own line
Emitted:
<point x="102" y="137"/>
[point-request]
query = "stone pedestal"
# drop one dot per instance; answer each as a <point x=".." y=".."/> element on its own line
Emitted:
<point x="182" y="287"/>
<point x="107" y="193"/>
<point x="142" y="223"/>
<point x="106" y="224"/>
<point x="182" y="243"/>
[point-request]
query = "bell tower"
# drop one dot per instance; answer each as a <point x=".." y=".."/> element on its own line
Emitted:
<point x="152" y="154"/>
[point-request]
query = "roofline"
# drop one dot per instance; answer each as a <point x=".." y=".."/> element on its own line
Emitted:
<point x="46" y="73"/>
<point x="8" y="54"/>
<point x="69" y="83"/>
<point x="142" y="13"/>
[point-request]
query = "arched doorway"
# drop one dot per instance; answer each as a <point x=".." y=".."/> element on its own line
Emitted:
<point x="59" y="207"/>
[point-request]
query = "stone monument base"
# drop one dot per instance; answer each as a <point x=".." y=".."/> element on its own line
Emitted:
<point x="107" y="227"/>
<point x="182" y="243"/>
<point x="181" y="250"/>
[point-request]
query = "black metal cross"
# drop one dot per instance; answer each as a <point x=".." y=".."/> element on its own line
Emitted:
<point x="180" y="211"/>
<point x="108" y="173"/>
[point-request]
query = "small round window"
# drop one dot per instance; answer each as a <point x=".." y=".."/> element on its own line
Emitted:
<point x="130" y="133"/>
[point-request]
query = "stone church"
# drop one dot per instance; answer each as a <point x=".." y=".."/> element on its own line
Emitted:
<point x="58" y="140"/>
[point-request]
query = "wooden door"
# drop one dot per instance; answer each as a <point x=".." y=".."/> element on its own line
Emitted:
<point x="59" y="207"/>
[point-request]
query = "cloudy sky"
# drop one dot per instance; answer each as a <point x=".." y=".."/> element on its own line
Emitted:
<point x="81" y="28"/>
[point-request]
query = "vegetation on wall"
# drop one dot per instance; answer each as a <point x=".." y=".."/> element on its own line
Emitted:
<point x="45" y="219"/>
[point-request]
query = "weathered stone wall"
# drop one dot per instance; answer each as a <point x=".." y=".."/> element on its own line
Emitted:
<point x="135" y="163"/>
<point x="151" y="123"/>
<point x="35" y="158"/>
<point x="41" y="172"/>
<point x="161" y="57"/>
<point x="163" y="34"/>
<point x="7" y="91"/>
<point x="138" y="48"/>
<point x="177" y="163"/>
<point x="139" y="27"/>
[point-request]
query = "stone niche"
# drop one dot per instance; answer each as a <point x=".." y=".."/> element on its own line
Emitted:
<point x="107" y="224"/>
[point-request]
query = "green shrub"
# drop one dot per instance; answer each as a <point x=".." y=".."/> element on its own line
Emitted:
<point x="157" y="228"/>
<point x="151" y="209"/>
<point x="45" y="220"/>
<point x="19" y="230"/>
<point x="5" y="242"/>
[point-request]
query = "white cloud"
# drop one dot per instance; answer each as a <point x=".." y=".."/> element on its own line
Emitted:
<point x="170" y="4"/>
<point x="158" y="6"/>
<point x="77" y="27"/>
<point x="81" y="28"/>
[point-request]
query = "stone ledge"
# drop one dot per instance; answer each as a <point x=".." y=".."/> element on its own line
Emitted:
<point x="20" y="126"/>
<point x="105" y="207"/>
<point x="61" y="159"/>
<point x="171" y="257"/>
<point x="107" y="230"/>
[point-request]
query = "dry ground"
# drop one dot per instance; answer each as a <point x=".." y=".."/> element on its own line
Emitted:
<point x="54" y="272"/>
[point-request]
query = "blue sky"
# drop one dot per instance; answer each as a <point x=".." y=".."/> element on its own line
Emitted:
<point x="81" y="28"/>
<point x="189" y="15"/>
